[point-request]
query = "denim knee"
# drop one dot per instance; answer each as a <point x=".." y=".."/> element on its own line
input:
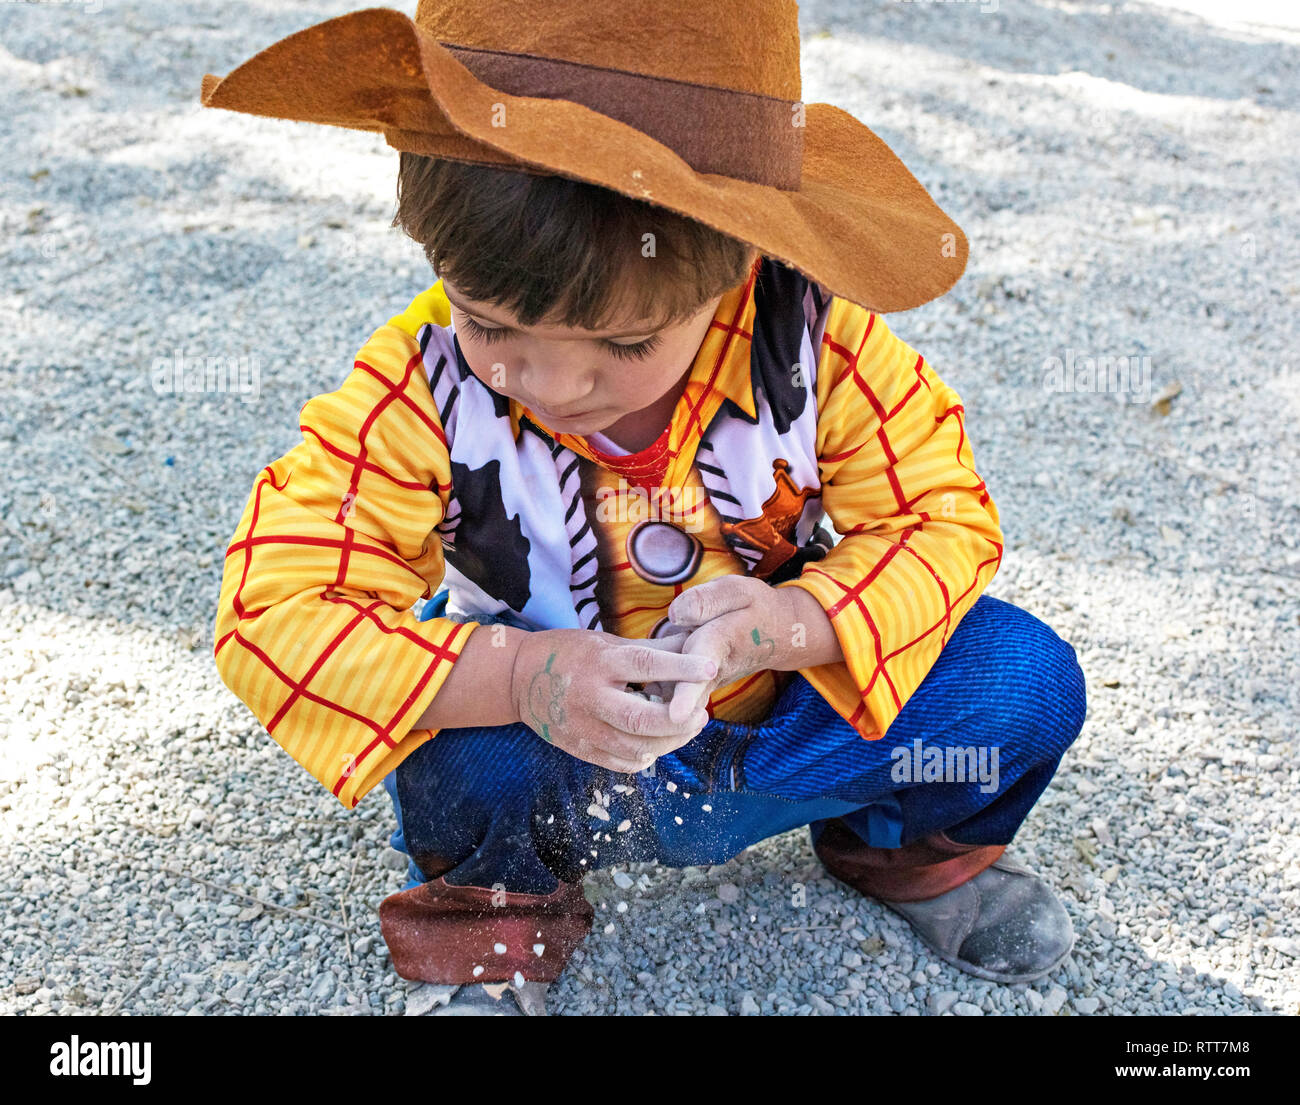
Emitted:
<point x="1038" y="691"/>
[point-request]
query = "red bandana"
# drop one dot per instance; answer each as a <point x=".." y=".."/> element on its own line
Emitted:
<point x="645" y="469"/>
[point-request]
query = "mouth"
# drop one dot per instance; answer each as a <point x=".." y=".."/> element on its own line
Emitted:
<point x="578" y="416"/>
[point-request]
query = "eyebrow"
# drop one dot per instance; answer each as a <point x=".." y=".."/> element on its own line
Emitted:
<point x="479" y="314"/>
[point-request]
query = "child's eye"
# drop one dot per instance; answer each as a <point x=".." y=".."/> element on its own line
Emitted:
<point x="640" y="349"/>
<point x="482" y="333"/>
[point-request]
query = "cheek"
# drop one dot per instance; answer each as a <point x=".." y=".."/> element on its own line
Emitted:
<point x="642" y="382"/>
<point x="486" y="362"/>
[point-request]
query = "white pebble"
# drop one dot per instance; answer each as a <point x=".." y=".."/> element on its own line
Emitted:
<point x="478" y="971"/>
<point x="538" y="949"/>
<point x="499" y="949"/>
<point x="623" y="826"/>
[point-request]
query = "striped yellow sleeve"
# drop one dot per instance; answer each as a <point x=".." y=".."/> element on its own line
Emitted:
<point x="314" y="628"/>
<point x="921" y="537"/>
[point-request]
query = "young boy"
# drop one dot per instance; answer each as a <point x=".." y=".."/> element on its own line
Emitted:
<point x="611" y="429"/>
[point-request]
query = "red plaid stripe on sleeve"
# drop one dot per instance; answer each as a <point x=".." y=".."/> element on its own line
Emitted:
<point x="314" y="628"/>
<point x="921" y="537"/>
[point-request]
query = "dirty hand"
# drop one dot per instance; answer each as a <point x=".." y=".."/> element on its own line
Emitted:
<point x="572" y="687"/>
<point x="743" y="624"/>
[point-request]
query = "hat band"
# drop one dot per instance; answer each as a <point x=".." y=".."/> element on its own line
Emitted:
<point x="743" y="135"/>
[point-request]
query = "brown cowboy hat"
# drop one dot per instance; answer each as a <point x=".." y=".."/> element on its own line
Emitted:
<point x="691" y="106"/>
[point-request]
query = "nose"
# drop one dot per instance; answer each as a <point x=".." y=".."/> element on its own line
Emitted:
<point x="559" y="388"/>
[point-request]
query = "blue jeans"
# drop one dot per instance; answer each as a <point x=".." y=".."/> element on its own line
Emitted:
<point x="499" y="807"/>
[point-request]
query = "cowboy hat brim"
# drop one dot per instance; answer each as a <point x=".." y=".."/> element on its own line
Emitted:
<point x="860" y="224"/>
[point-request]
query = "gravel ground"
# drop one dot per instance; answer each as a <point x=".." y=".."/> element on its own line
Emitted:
<point x="1126" y="174"/>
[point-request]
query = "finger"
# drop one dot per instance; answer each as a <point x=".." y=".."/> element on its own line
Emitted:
<point x="714" y="640"/>
<point x="624" y="766"/>
<point x="706" y="601"/>
<point x="669" y="642"/>
<point x="687" y="699"/>
<point x="629" y="713"/>
<point x="643" y="663"/>
<point x="648" y="749"/>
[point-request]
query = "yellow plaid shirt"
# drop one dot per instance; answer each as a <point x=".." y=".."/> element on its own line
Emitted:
<point x="315" y="629"/>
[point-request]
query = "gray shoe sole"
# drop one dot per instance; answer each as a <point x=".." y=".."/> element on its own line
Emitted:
<point x="981" y="972"/>
<point x="476" y="1000"/>
<point x="1007" y="865"/>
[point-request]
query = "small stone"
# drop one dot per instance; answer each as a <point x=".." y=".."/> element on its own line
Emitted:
<point x="1054" y="1000"/>
<point x="1102" y="832"/>
<point x="1219" y="923"/>
<point x="623" y="880"/>
<point x="749" y="1005"/>
<point x="941" y="1002"/>
<point x="322" y="987"/>
<point x="966" y="1009"/>
<point x="1087" y="1006"/>
<point x="729" y="892"/>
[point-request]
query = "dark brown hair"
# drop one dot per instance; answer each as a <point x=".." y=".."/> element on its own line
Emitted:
<point x="546" y="247"/>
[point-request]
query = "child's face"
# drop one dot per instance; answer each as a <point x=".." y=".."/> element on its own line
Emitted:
<point x="578" y="381"/>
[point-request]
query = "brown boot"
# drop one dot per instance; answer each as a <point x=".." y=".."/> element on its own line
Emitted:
<point x="469" y="935"/>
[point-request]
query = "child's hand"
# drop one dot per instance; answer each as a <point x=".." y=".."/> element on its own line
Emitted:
<point x="742" y="623"/>
<point x="571" y="687"/>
